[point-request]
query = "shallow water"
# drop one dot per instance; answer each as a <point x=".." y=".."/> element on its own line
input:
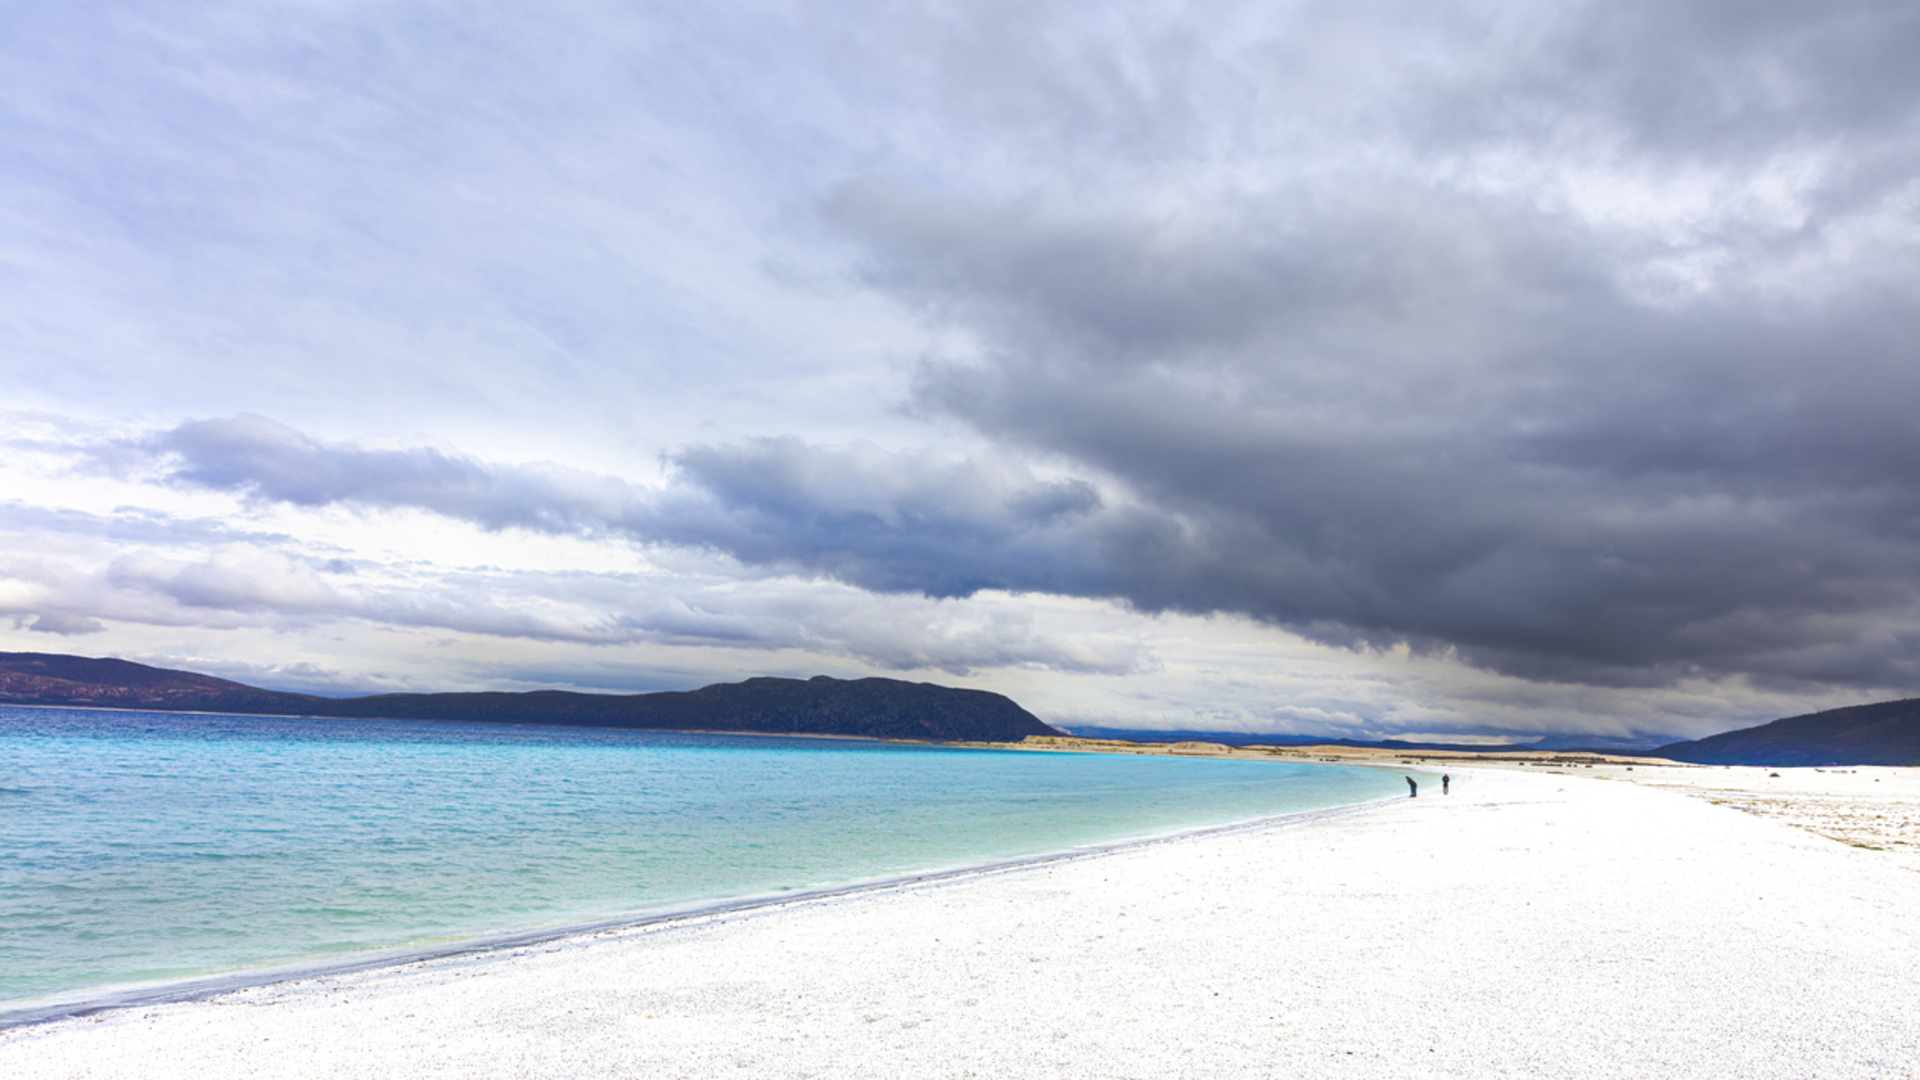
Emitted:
<point x="142" y="846"/>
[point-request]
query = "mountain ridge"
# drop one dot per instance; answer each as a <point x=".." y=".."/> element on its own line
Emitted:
<point x="870" y="708"/>
<point x="1881" y="733"/>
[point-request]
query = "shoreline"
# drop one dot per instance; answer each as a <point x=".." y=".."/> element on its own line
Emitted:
<point x="1324" y="753"/>
<point x="53" y="1008"/>
<point x="1814" y="798"/>
<point x="1528" y="925"/>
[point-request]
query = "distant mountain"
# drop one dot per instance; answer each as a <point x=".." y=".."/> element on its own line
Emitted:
<point x="1887" y="733"/>
<point x="870" y="708"/>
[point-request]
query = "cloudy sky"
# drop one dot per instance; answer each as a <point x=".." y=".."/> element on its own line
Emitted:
<point x="1439" y="368"/>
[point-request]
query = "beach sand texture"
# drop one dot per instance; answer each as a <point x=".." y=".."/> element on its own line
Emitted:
<point x="1528" y="925"/>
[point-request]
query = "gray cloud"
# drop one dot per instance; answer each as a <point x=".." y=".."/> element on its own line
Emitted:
<point x="272" y="461"/>
<point x="887" y="521"/>
<point x="1712" y="79"/>
<point x="1566" y="436"/>
<point x="1448" y="532"/>
<point x="60" y="622"/>
<point x="893" y="522"/>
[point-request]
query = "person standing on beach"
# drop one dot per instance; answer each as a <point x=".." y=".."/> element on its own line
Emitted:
<point x="1413" y="789"/>
<point x="1445" y="780"/>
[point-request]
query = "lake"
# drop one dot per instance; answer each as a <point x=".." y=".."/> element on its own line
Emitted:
<point x="137" y="847"/>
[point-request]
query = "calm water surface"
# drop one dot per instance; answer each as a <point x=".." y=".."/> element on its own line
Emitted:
<point x="143" y="846"/>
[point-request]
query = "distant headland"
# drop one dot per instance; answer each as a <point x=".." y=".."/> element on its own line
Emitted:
<point x="1885" y="733"/>
<point x="867" y="708"/>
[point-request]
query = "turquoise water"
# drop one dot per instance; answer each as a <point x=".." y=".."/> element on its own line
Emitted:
<point x="147" y="846"/>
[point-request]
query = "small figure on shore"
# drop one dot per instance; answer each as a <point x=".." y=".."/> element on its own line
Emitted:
<point x="1413" y="789"/>
<point x="1445" y="780"/>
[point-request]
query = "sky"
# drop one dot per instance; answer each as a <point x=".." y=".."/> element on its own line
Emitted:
<point x="1442" y="369"/>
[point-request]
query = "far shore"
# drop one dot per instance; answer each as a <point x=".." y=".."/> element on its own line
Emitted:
<point x="1329" y="753"/>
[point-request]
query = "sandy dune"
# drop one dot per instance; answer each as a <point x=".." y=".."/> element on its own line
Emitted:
<point x="1531" y="925"/>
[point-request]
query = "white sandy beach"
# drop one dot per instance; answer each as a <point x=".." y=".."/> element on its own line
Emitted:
<point x="1528" y="925"/>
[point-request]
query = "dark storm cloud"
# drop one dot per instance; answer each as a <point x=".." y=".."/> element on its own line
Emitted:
<point x="1594" y="361"/>
<point x="1523" y="464"/>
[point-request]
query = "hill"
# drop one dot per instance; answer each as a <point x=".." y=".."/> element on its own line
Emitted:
<point x="57" y="679"/>
<point x="870" y="708"/>
<point x="1886" y="733"/>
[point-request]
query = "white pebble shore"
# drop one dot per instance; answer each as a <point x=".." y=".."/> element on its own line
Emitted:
<point x="1525" y="926"/>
